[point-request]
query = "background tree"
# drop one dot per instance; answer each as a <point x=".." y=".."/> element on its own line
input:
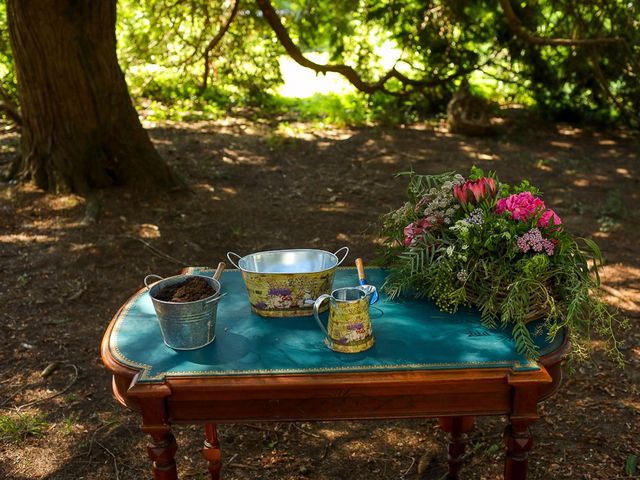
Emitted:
<point x="79" y="129"/>
<point x="405" y="57"/>
<point x="569" y="61"/>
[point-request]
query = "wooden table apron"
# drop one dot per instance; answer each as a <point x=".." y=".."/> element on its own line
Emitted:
<point x="454" y="396"/>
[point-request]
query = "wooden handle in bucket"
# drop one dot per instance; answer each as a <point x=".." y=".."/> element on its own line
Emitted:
<point x="219" y="270"/>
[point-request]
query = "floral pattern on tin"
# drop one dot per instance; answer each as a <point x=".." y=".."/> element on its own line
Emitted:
<point x="286" y="295"/>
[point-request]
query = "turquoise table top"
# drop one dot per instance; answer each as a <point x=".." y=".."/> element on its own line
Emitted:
<point x="409" y="335"/>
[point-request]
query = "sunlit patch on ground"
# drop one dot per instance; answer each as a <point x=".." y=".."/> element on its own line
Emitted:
<point x="65" y="202"/>
<point x="621" y="285"/>
<point x="569" y="131"/>
<point x="148" y="230"/>
<point x="26" y="238"/>
<point x="581" y="182"/>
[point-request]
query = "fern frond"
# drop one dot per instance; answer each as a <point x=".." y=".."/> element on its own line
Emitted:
<point x="525" y="345"/>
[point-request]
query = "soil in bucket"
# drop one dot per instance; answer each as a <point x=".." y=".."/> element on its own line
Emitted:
<point x="190" y="290"/>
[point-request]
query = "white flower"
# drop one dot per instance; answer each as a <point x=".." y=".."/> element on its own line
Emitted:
<point x="462" y="275"/>
<point x="450" y="250"/>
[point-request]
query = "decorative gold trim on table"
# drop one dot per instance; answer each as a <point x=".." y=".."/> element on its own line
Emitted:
<point x="113" y="340"/>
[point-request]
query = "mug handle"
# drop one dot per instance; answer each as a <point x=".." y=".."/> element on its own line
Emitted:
<point x="316" y="306"/>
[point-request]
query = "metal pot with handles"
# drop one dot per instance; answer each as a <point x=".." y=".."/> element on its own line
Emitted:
<point x="285" y="283"/>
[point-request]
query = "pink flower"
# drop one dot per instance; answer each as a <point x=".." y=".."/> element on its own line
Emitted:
<point x="521" y="206"/>
<point x="535" y="242"/>
<point x="475" y="190"/>
<point x="414" y="230"/>
<point x="549" y="218"/>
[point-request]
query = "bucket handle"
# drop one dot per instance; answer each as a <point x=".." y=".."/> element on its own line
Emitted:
<point x="215" y="299"/>
<point x="231" y="260"/>
<point x="346" y="249"/>
<point x="146" y="279"/>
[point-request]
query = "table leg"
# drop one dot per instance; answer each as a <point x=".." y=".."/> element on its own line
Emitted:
<point x="211" y="451"/>
<point x="518" y="440"/>
<point x="162" y="450"/>
<point x="457" y="427"/>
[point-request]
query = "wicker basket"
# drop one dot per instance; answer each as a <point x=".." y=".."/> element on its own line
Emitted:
<point x="537" y="309"/>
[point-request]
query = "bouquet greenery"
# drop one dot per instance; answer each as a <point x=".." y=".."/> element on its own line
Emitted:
<point x="480" y="242"/>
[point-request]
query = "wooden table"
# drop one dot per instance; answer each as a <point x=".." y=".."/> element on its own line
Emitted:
<point x="187" y="390"/>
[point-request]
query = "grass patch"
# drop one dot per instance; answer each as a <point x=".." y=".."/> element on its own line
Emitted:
<point x="18" y="429"/>
<point x="331" y="108"/>
<point x="68" y="425"/>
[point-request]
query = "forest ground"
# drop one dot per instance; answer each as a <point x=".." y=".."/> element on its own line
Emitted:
<point x="259" y="185"/>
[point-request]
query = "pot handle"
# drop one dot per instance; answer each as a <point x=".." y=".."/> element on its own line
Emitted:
<point x="316" y="306"/>
<point x="146" y="279"/>
<point x="346" y="252"/>
<point x="231" y="259"/>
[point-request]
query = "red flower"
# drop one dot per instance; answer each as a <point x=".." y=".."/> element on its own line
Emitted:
<point x="475" y="190"/>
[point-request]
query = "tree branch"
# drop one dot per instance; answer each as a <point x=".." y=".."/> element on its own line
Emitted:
<point x="225" y="26"/>
<point x="516" y="26"/>
<point x="346" y="71"/>
<point x="604" y="84"/>
<point x="215" y="41"/>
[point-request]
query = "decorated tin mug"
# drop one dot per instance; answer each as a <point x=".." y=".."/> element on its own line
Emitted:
<point x="349" y="326"/>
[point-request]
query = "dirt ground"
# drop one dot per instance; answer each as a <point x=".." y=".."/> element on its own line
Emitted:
<point x="275" y="184"/>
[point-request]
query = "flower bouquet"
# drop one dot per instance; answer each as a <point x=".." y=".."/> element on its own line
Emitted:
<point x="479" y="242"/>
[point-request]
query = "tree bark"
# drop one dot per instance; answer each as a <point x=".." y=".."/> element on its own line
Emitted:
<point x="80" y="130"/>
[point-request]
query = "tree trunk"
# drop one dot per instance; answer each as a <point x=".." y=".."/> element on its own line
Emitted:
<point x="80" y="130"/>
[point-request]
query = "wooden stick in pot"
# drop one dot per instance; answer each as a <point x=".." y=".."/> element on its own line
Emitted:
<point x="219" y="270"/>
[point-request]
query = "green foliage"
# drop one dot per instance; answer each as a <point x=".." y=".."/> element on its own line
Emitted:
<point x="162" y="48"/>
<point x="7" y="69"/>
<point x="68" y="424"/>
<point x="631" y="465"/>
<point x="340" y="110"/>
<point x="16" y="429"/>
<point x="162" y="43"/>
<point x="458" y="250"/>
<point x="598" y="83"/>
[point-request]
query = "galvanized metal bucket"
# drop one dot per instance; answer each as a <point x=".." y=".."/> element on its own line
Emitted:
<point x="185" y="325"/>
